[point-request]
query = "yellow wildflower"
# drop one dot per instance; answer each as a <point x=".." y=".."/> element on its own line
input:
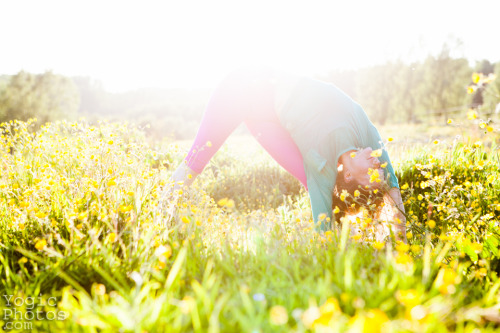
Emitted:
<point x="125" y="208"/>
<point x="374" y="321"/>
<point x="404" y="259"/>
<point x="450" y="276"/>
<point x="408" y="298"/>
<point x="100" y="289"/>
<point x="23" y="260"/>
<point x="187" y="305"/>
<point x="326" y="312"/>
<point x="41" y="215"/>
<point x="111" y="237"/>
<point x="374" y="175"/>
<point x="402" y="247"/>
<point x="481" y="273"/>
<point x="476" y="77"/>
<point x="356" y="237"/>
<point x="446" y="280"/>
<point x="225" y="202"/>
<point x="310" y="315"/>
<point x="376" y="153"/>
<point x="471" y="114"/>
<point x="41" y="244"/>
<point x="163" y="251"/>
<point x="477" y="247"/>
<point x="278" y="315"/>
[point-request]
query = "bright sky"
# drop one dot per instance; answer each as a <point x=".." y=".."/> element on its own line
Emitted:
<point x="186" y="43"/>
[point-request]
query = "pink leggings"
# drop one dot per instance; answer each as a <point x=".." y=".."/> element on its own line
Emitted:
<point x="245" y="96"/>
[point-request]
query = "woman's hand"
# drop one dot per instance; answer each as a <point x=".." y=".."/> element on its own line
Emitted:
<point x="182" y="177"/>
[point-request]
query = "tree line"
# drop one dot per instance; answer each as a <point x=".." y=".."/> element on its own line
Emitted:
<point x="46" y="97"/>
<point x="427" y="91"/>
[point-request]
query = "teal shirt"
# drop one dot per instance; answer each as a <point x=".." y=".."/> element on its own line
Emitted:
<point x="325" y="123"/>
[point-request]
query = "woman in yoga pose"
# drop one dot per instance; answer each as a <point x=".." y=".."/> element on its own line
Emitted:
<point x="313" y="130"/>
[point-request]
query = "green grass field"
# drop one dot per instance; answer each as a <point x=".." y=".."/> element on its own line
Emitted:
<point x="90" y="244"/>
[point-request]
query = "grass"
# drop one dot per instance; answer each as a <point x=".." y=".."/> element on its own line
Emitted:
<point x="89" y="243"/>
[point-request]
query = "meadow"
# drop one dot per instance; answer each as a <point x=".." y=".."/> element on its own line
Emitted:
<point x="91" y="243"/>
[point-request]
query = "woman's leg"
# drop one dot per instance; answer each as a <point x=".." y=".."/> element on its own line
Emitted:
<point x="226" y="109"/>
<point x="245" y="96"/>
<point x="280" y="145"/>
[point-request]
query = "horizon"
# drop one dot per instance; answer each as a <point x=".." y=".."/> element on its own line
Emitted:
<point x="193" y="44"/>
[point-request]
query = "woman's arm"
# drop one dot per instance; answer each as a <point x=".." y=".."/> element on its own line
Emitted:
<point x="321" y="179"/>
<point x="393" y="197"/>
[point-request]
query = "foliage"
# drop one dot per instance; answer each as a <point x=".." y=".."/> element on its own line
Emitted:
<point x="492" y="94"/>
<point x="85" y="228"/>
<point x="47" y="97"/>
<point x="160" y="112"/>
<point x="263" y="181"/>
<point x="444" y="83"/>
<point x="426" y="91"/>
<point x="423" y="91"/>
<point x="455" y="191"/>
<point x="377" y="89"/>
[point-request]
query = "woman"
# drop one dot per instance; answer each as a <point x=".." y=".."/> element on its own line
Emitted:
<point x="312" y="129"/>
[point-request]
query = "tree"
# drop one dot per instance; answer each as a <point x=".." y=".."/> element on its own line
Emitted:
<point x="444" y="83"/>
<point x="484" y="67"/>
<point x="376" y="89"/>
<point x="408" y="79"/>
<point x="47" y="97"/>
<point x="492" y="93"/>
